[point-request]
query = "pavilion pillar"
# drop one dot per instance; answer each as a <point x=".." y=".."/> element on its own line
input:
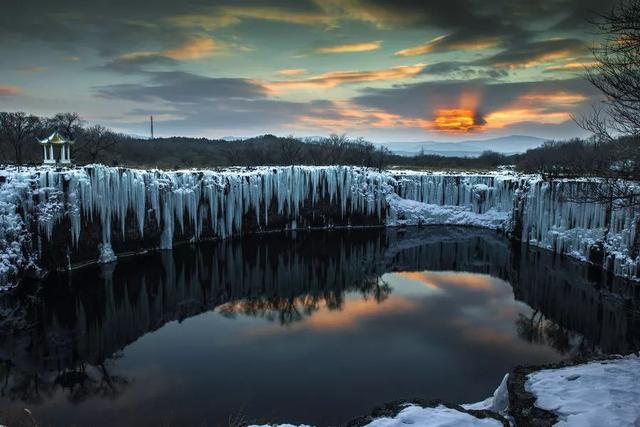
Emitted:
<point x="44" y="148"/>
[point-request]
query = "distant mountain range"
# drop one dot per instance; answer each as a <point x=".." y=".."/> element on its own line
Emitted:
<point x="471" y="148"/>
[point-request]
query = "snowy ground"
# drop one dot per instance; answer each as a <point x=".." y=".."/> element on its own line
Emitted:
<point x="599" y="394"/>
<point x="440" y="416"/>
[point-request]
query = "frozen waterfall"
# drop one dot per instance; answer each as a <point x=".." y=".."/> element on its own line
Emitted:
<point x="57" y="218"/>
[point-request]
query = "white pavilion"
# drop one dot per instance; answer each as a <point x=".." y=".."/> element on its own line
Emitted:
<point x="57" y="149"/>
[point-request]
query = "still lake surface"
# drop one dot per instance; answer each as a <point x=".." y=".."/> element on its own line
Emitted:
<point x="316" y="327"/>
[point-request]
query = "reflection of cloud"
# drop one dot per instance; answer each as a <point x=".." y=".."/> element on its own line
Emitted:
<point x="336" y="78"/>
<point x="354" y="311"/>
<point x="444" y="279"/>
<point x="349" y="47"/>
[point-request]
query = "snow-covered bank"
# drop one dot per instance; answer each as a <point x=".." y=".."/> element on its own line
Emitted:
<point x="58" y="218"/>
<point x="599" y="393"/>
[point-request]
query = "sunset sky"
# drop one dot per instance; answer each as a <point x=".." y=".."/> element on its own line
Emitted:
<point x="385" y="70"/>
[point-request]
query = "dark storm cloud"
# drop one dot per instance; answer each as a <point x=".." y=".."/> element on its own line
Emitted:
<point x="181" y="87"/>
<point x="202" y="103"/>
<point x="463" y="70"/>
<point x="137" y="64"/>
<point x="534" y="52"/>
<point x="108" y="26"/>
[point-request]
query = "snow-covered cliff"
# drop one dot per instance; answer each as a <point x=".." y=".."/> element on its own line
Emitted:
<point x="60" y="218"/>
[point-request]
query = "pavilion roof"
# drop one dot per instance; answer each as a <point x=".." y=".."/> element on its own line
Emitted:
<point x="56" y="139"/>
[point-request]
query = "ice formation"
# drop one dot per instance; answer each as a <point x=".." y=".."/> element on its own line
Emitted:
<point x="158" y="208"/>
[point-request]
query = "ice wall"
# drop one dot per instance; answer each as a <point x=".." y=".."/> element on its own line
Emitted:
<point x="591" y="232"/>
<point x="61" y="218"/>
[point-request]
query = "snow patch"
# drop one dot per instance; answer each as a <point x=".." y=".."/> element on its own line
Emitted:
<point x="440" y="416"/>
<point x="598" y="394"/>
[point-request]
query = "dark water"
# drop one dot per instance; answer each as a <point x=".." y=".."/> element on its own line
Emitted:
<point x="315" y="327"/>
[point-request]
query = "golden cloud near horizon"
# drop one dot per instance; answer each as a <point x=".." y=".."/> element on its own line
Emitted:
<point x="336" y="78"/>
<point x="459" y="118"/>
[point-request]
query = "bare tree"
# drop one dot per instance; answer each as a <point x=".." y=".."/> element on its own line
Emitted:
<point x="617" y="76"/>
<point x="335" y="146"/>
<point x="290" y="148"/>
<point x="96" y="141"/>
<point x="68" y="124"/>
<point x="17" y="129"/>
<point x="382" y="155"/>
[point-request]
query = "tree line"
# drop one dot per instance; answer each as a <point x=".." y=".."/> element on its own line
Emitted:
<point x="19" y="133"/>
<point x="97" y="144"/>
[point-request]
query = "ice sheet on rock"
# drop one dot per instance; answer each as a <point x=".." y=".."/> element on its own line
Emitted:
<point x="602" y="393"/>
<point x="15" y="239"/>
<point x="498" y="403"/>
<point x="410" y="212"/>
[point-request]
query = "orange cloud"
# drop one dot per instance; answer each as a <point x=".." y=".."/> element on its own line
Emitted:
<point x="344" y="115"/>
<point x="420" y="49"/>
<point x="572" y="66"/>
<point x="336" y="78"/>
<point x="72" y="58"/>
<point x="195" y="48"/>
<point x="441" y="43"/>
<point x="9" y="90"/>
<point x="349" y="47"/>
<point x="356" y="310"/>
<point x="555" y="98"/>
<point x="506" y="117"/>
<point x="291" y="72"/>
<point x="455" y="120"/>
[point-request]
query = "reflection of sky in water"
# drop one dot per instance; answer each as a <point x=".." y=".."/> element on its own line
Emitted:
<point x="436" y="334"/>
<point x="307" y="331"/>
